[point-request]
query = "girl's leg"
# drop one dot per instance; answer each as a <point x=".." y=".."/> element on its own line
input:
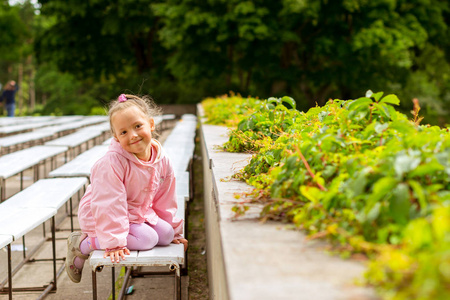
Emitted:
<point x="165" y="232"/>
<point x="86" y="246"/>
<point x="141" y="237"/>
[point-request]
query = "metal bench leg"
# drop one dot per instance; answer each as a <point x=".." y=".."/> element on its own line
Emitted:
<point x="177" y="284"/>
<point x="94" y="285"/>
<point x="54" y="252"/>
<point x="113" y="279"/>
<point x="9" y="273"/>
<point x="3" y="187"/>
<point x="71" y="214"/>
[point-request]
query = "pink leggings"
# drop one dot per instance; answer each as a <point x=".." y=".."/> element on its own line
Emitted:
<point x="141" y="237"/>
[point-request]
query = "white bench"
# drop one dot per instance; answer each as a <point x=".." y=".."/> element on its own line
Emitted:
<point x="180" y="145"/>
<point x="5" y="241"/>
<point x="76" y="140"/>
<point x="172" y="256"/>
<point x="34" y="125"/>
<point x="19" y="161"/>
<point x="23" y="120"/>
<point x="31" y="208"/>
<point x="66" y="128"/>
<point x="82" y="164"/>
<point x="23" y="140"/>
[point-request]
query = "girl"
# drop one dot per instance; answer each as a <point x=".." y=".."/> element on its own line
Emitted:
<point x="131" y="201"/>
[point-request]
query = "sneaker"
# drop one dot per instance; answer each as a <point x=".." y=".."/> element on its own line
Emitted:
<point x="73" y="250"/>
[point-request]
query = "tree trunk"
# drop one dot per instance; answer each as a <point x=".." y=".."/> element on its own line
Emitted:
<point x="230" y="59"/>
<point x="247" y="83"/>
<point x="32" y="91"/>
<point x="20" y="81"/>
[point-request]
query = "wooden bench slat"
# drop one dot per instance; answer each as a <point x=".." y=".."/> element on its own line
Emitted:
<point x="19" y="221"/>
<point x="16" y="162"/>
<point x="50" y="193"/>
<point x="82" y="164"/>
<point x="5" y="239"/>
<point x="75" y="139"/>
<point x="182" y="180"/>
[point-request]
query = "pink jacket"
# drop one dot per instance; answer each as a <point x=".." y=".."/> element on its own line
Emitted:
<point x="126" y="190"/>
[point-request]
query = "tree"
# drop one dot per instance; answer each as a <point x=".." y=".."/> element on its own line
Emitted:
<point x="312" y="50"/>
<point x="13" y="33"/>
<point x="95" y="38"/>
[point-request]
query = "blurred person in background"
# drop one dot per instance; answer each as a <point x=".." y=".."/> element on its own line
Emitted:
<point x="9" y="95"/>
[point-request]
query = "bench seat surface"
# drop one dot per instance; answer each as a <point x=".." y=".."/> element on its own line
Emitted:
<point x="82" y="164"/>
<point x="49" y="193"/>
<point x="158" y="256"/>
<point x="22" y="138"/>
<point x="16" y="162"/>
<point x="75" y="139"/>
<point x="19" y="221"/>
<point x="5" y="240"/>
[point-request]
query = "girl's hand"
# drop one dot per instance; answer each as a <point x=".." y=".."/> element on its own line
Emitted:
<point x="182" y="241"/>
<point x="117" y="254"/>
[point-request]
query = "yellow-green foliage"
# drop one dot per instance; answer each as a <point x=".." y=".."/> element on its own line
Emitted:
<point x="228" y="110"/>
<point x="362" y="175"/>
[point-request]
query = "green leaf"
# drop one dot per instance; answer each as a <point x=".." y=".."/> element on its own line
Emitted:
<point x="392" y="99"/>
<point x="429" y="168"/>
<point x="399" y="205"/>
<point x="382" y="110"/>
<point x="360" y="102"/>
<point x="289" y="101"/>
<point x="380" y="189"/>
<point x="377" y="96"/>
<point x="419" y="193"/>
<point x="311" y="193"/>
<point x="374" y="212"/>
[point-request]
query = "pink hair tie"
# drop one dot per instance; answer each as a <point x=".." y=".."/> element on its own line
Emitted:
<point x="122" y="98"/>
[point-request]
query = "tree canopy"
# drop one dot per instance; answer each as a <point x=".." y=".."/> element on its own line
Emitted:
<point x="181" y="51"/>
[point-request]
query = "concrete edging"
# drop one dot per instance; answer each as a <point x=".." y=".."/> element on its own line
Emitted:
<point x="248" y="259"/>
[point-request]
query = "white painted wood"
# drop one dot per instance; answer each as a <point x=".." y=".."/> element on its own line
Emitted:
<point x="16" y="162"/>
<point x="82" y="164"/>
<point x="22" y="138"/>
<point x="18" y="221"/>
<point x="6" y="121"/>
<point x="75" y="139"/>
<point x="32" y="125"/>
<point x="49" y="193"/>
<point x="5" y="240"/>
<point x="182" y="184"/>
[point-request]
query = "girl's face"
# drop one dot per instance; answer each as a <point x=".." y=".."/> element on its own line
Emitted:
<point x="133" y="129"/>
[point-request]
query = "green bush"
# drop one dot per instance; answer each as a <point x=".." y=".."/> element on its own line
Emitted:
<point x="361" y="174"/>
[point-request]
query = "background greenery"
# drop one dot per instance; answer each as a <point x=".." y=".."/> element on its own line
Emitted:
<point x="73" y="56"/>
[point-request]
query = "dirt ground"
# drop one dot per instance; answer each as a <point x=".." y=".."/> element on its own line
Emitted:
<point x="197" y="267"/>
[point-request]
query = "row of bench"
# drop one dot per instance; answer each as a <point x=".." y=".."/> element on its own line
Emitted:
<point x="52" y="123"/>
<point x="19" y="161"/>
<point x="37" y="136"/>
<point x="38" y="203"/>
